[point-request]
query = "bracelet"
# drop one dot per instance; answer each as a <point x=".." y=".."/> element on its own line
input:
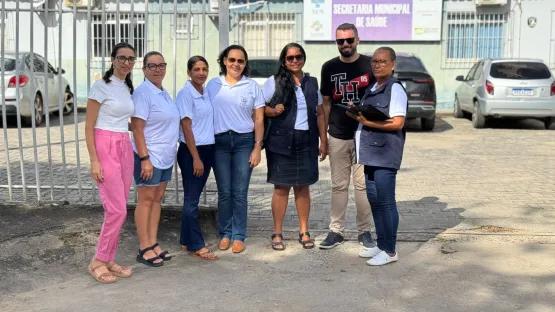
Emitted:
<point x="144" y="158"/>
<point x="258" y="142"/>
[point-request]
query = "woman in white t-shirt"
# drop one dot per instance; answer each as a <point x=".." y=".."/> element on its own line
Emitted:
<point x="106" y="131"/>
<point x="155" y="125"/>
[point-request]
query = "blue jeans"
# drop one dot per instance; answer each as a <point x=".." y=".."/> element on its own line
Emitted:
<point x="191" y="234"/>
<point x="233" y="174"/>
<point x="380" y="189"/>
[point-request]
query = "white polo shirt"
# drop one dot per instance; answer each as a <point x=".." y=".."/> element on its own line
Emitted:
<point x="234" y="105"/>
<point x="161" y="129"/>
<point x="198" y="108"/>
<point x="116" y="105"/>
<point x="301" y="123"/>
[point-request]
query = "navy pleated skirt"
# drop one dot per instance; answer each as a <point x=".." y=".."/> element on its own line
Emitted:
<point x="298" y="169"/>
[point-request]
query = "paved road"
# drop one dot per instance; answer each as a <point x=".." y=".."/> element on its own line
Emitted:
<point x="44" y="254"/>
<point x="456" y="177"/>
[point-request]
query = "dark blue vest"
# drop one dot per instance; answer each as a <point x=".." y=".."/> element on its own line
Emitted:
<point x="279" y="132"/>
<point x="376" y="147"/>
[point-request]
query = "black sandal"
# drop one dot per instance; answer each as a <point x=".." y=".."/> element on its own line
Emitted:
<point x="150" y="262"/>
<point x="306" y="242"/>
<point x="275" y="245"/>
<point x="163" y="254"/>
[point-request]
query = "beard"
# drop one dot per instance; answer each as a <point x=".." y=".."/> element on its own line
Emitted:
<point x="350" y="53"/>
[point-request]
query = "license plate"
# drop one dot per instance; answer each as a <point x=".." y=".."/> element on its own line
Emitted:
<point x="523" y="91"/>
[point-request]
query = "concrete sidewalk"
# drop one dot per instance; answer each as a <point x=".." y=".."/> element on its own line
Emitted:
<point x="44" y="253"/>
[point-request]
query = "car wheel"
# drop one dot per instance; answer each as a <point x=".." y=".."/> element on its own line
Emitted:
<point x="478" y="119"/>
<point x="68" y="104"/>
<point x="548" y="122"/>
<point x="39" y="112"/>
<point x="428" y="123"/>
<point x="457" y="111"/>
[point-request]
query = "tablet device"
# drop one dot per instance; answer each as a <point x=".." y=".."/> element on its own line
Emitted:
<point x="368" y="111"/>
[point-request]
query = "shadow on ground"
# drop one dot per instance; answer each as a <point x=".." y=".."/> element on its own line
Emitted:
<point x="44" y="253"/>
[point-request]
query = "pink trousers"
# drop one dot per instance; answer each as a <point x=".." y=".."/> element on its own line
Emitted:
<point x="115" y="155"/>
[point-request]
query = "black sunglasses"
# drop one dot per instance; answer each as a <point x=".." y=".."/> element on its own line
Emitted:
<point x="233" y="60"/>
<point x="341" y="41"/>
<point x="298" y="57"/>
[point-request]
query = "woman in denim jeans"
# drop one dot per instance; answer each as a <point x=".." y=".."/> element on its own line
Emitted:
<point x="239" y="130"/>
<point x="380" y="145"/>
<point x="196" y="153"/>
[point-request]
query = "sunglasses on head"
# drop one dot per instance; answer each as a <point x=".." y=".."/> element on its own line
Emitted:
<point x="233" y="60"/>
<point x="291" y="58"/>
<point x="341" y="41"/>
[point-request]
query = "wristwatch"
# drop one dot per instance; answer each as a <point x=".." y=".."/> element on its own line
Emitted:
<point x="145" y="158"/>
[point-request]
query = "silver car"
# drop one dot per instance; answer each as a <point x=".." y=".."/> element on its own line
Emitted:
<point x="506" y="88"/>
<point x="33" y="96"/>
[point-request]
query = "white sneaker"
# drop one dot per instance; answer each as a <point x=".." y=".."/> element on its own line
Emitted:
<point x="382" y="258"/>
<point x="370" y="252"/>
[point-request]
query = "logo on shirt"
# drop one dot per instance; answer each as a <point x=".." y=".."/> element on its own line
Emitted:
<point x="243" y="101"/>
<point x="347" y="90"/>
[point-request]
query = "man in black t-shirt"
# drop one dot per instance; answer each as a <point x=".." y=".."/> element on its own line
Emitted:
<point x="344" y="80"/>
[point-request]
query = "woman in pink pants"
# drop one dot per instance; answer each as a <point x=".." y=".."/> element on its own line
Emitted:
<point x="106" y="130"/>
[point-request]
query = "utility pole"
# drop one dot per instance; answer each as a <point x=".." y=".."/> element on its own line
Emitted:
<point x="223" y="26"/>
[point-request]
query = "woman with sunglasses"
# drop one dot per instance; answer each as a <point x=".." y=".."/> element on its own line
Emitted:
<point x="196" y="153"/>
<point x="155" y="125"/>
<point x="239" y="129"/>
<point x="295" y="125"/>
<point x="106" y="131"/>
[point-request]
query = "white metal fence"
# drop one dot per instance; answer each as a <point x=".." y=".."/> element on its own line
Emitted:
<point x="265" y="34"/>
<point x="65" y="51"/>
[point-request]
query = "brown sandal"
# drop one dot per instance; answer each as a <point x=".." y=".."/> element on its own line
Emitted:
<point x="207" y="255"/>
<point x="120" y="271"/>
<point x="102" y="274"/>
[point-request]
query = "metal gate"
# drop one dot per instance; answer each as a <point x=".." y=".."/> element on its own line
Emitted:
<point x="65" y="51"/>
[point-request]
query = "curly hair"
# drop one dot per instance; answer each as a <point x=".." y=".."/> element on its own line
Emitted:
<point x="223" y="70"/>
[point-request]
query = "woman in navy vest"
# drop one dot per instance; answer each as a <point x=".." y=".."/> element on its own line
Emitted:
<point x="379" y="147"/>
<point x="295" y="122"/>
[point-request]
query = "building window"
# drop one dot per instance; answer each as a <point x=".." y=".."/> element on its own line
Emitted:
<point x="472" y="36"/>
<point x="184" y="20"/>
<point x="105" y="36"/>
<point x="265" y="34"/>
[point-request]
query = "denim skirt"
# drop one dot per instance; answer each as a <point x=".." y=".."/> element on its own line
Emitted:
<point x="298" y="169"/>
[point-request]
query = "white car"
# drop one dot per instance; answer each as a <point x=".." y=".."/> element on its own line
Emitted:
<point x="33" y="96"/>
<point x="506" y="88"/>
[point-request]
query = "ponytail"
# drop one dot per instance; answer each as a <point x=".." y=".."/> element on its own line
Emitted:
<point x="129" y="83"/>
<point x="108" y="74"/>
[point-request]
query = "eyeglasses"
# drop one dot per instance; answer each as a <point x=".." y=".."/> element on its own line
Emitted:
<point x="122" y="59"/>
<point x="161" y="66"/>
<point x="381" y="63"/>
<point x="233" y="60"/>
<point x="291" y="58"/>
<point x="341" y="41"/>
